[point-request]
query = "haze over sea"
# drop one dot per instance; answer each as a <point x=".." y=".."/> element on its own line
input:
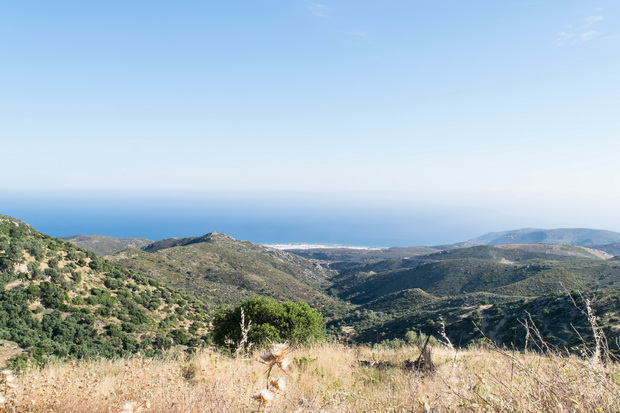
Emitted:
<point x="344" y="218"/>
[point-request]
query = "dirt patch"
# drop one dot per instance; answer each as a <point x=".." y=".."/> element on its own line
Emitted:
<point x="13" y="284"/>
<point x="8" y="350"/>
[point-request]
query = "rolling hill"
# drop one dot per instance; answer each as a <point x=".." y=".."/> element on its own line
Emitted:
<point x="465" y="285"/>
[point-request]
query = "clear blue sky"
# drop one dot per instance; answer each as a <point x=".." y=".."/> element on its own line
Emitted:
<point x="514" y="102"/>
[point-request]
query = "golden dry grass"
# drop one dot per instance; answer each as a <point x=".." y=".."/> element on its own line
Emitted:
<point x="325" y="378"/>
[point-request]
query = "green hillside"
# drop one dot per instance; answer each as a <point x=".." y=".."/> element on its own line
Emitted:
<point x="560" y="318"/>
<point x="396" y="296"/>
<point x="462" y="276"/>
<point x="227" y="271"/>
<point x="59" y="300"/>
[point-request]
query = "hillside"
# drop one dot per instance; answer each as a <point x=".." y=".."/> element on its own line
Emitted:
<point x="58" y="299"/>
<point x="103" y="245"/>
<point x="508" y="253"/>
<point x="561" y="320"/>
<point x="612" y="249"/>
<point x="518" y="269"/>
<point x="394" y="296"/>
<point x="576" y="236"/>
<point x="226" y="271"/>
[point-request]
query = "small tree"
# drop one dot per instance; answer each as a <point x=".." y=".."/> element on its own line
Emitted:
<point x="271" y="321"/>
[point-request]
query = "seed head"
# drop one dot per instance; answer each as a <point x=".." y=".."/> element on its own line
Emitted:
<point x="284" y="363"/>
<point x="278" y="383"/>
<point x="265" y="396"/>
<point x="268" y="357"/>
<point x="128" y="407"/>
<point x="279" y="350"/>
<point x="276" y="355"/>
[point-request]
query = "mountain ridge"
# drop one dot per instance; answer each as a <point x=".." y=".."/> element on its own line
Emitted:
<point x="105" y="245"/>
<point x="583" y="237"/>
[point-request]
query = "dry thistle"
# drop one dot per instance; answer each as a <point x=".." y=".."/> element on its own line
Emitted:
<point x="128" y="407"/>
<point x="132" y="407"/>
<point x="278" y="383"/>
<point x="265" y="396"/>
<point x="277" y="355"/>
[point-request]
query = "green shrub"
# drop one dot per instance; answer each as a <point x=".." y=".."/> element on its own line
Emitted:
<point x="271" y="322"/>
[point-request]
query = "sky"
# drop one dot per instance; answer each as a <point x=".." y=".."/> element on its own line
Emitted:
<point x="488" y="115"/>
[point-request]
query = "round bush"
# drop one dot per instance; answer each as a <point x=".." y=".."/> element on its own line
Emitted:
<point x="271" y="321"/>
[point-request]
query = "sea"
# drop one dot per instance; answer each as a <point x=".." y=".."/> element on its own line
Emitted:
<point x="351" y="219"/>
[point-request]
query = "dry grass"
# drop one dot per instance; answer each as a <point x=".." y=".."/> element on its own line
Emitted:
<point x="326" y="378"/>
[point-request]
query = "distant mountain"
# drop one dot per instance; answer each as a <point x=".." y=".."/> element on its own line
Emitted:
<point x="104" y="245"/>
<point x="576" y="236"/>
<point x="226" y="271"/>
<point x="527" y="238"/>
<point x="506" y="253"/>
<point x="59" y="299"/>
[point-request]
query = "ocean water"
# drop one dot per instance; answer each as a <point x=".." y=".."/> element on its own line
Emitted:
<point x="269" y="218"/>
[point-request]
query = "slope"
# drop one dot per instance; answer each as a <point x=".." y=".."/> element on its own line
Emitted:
<point x="227" y="271"/>
<point x="58" y="299"/>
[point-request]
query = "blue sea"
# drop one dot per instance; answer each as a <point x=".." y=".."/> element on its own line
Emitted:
<point x="356" y="219"/>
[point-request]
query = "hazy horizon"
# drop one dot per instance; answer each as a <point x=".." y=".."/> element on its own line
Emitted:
<point x="376" y="219"/>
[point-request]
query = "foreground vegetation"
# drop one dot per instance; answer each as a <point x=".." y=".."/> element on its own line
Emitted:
<point x="327" y="378"/>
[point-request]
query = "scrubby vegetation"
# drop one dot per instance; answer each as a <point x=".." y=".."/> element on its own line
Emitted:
<point x="57" y="300"/>
<point x="479" y="292"/>
<point x="226" y="271"/>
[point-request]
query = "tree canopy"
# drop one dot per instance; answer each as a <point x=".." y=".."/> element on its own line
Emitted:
<point x="270" y="321"/>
